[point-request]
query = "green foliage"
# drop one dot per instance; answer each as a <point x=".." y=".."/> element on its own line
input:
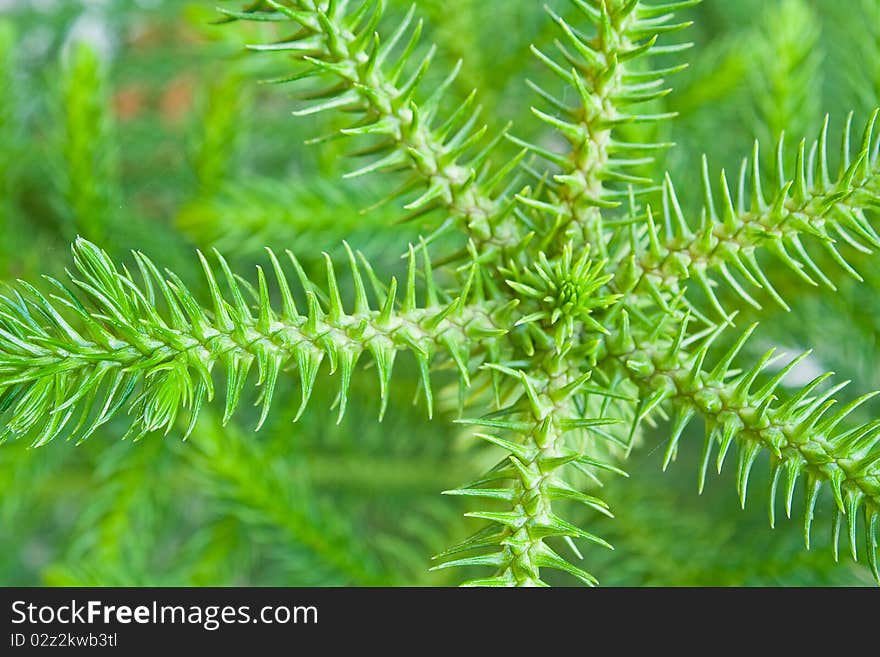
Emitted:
<point x="788" y="69"/>
<point x="241" y="217"/>
<point x="89" y="174"/>
<point x="563" y="303"/>
<point x="225" y="105"/>
<point x="868" y="52"/>
<point x="7" y="129"/>
<point x="161" y="364"/>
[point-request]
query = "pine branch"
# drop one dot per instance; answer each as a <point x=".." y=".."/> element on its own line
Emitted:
<point x="532" y="432"/>
<point x="108" y="346"/>
<point x="449" y="159"/>
<point x="812" y="203"/>
<point x="604" y="69"/>
<point x="801" y="433"/>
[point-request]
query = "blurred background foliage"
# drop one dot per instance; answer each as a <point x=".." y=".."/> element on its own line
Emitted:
<point x="139" y="124"/>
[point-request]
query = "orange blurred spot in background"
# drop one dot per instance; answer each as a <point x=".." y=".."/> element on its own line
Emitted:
<point x="177" y="99"/>
<point x="129" y="102"/>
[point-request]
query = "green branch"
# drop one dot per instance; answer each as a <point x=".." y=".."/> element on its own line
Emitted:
<point x="533" y="433"/>
<point x="448" y="158"/>
<point x="602" y="69"/>
<point x="802" y="433"/>
<point x="812" y="203"/>
<point x="54" y="375"/>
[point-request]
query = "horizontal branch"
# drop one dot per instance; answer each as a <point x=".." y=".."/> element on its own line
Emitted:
<point x="76" y="359"/>
<point x="812" y="203"/>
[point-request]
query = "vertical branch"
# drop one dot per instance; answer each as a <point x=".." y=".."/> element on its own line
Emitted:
<point x="601" y="68"/>
<point x="534" y="433"/>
